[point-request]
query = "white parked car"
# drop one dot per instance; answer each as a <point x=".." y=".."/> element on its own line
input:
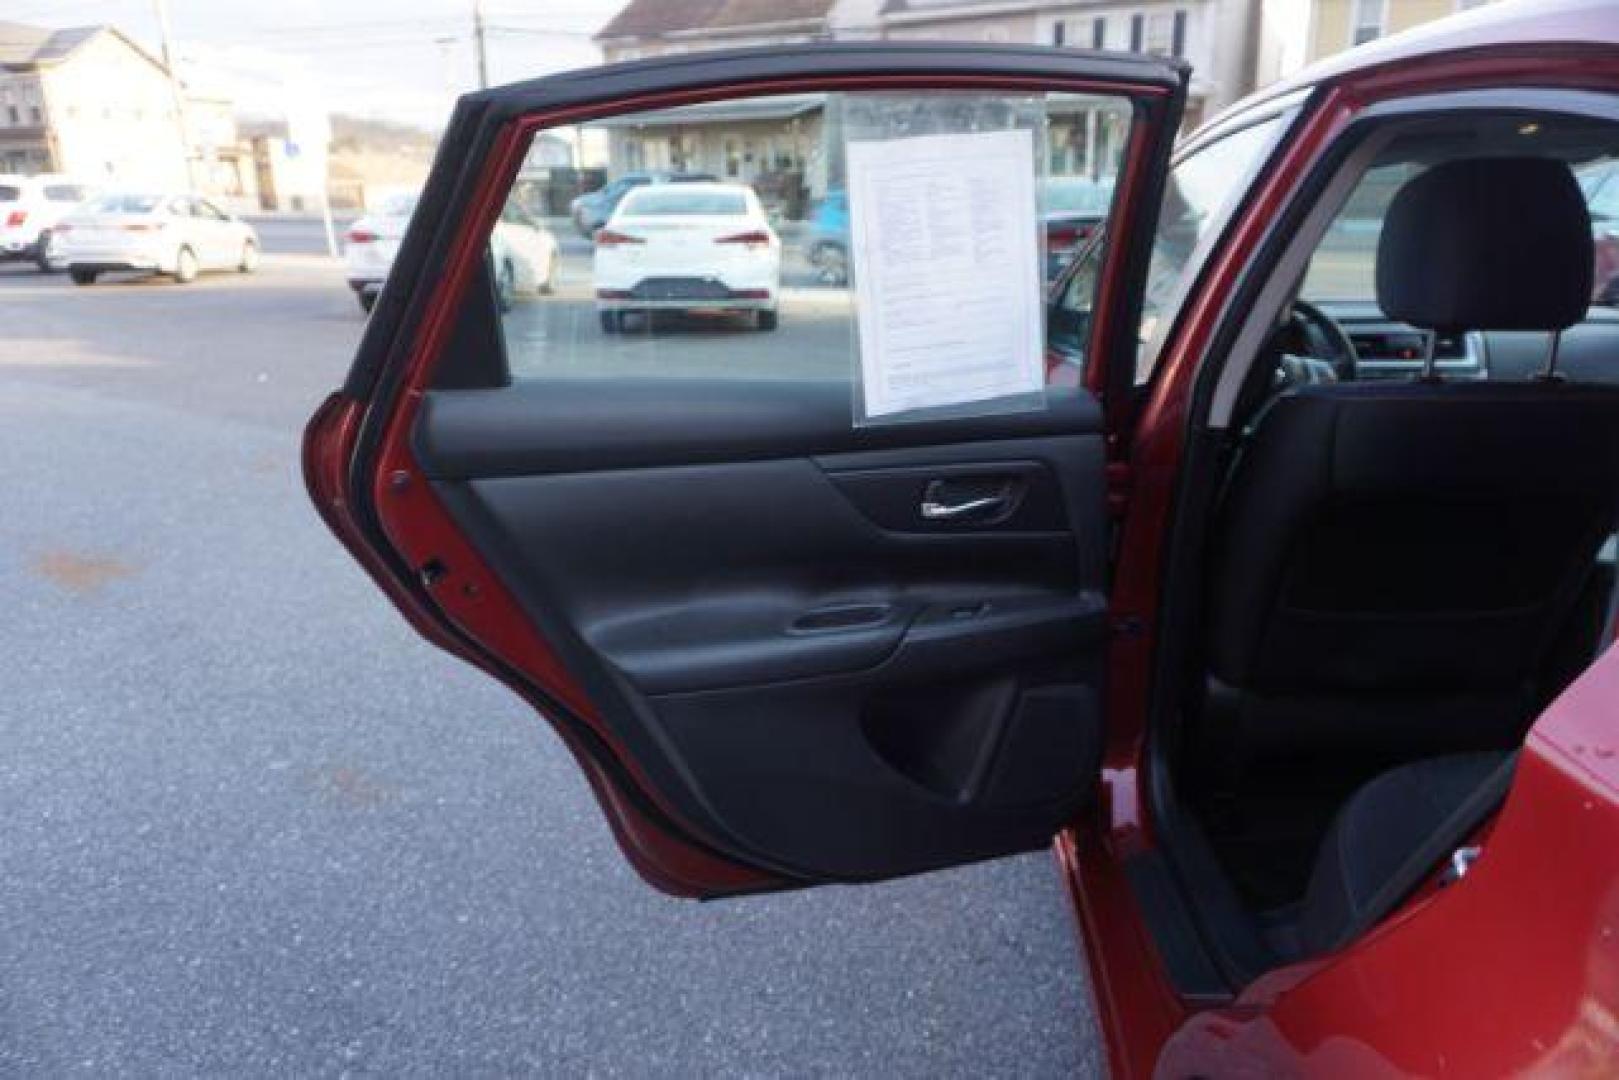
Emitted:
<point x="688" y="247"/>
<point x="526" y="254"/>
<point x="30" y="207"/>
<point x="161" y="232"/>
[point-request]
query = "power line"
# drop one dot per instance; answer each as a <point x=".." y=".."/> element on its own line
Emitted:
<point x="482" y="44"/>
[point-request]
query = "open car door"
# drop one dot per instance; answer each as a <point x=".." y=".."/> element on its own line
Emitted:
<point x="809" y="573"/>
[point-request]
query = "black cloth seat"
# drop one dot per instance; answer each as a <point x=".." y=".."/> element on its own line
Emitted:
<point x="1393" y="563"/>
<point x="1373" y="853"/>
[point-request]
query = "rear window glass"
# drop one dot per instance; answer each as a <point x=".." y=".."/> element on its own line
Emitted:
<point x="895" y="243"/>
<point x="1344" y="267"/>
<point x="1077" y="197"/>
<point x="398" y="205"/>
<point x="661" y="201"/>
<point x="64" y="192"/>
<point x="126" y="204"/>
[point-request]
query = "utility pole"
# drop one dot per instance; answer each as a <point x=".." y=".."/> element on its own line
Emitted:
<point x="478" y="38"/>
<point x="162" y="8"/>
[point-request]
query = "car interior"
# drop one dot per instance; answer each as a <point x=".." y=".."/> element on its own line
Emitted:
<point x="845" y="652"/>
<point x="1406" y="552"/>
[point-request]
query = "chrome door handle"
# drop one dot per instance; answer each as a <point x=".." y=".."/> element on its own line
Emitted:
<point x="938" y="511"/>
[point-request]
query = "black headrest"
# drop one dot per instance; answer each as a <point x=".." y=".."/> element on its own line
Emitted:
<point x="1487" y="244"/>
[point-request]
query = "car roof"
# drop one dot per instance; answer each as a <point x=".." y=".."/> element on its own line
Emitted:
<point x="160" y="196"/>
<point x="1514" y="22"/>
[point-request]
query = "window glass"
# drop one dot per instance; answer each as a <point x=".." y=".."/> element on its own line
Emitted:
<point x="677" y="200"/>
<point x="8" y="193"/>
<point x="1337" y="329"/>
<point x="128" y="204"/>
<point x="64" y="192"/>
<point x="1200" y="195"/>
<point x="399" y="204"/>
<point x="1160" y="33"/>
<point x="1366" y="20"/>
<point x="1600" y="182"/>
<point x="1344" y="266"/>
<point x="714" y="241"/>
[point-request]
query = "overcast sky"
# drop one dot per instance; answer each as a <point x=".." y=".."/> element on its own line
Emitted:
<point x="393" y="59"/>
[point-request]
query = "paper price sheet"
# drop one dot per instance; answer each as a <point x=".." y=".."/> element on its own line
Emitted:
<point x="947" y="269"/>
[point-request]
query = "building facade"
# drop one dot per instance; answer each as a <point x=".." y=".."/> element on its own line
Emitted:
<point x="775" y="144"/>
<point x="1297" y="33"/>
<point x="1214" y="36"/>
<point x="89" y="102"/>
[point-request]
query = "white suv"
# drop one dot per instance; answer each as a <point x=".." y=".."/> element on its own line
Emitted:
<point x="30" y="207"/>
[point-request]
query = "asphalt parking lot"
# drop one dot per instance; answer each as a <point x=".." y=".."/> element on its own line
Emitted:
<point x="254" y="825"/>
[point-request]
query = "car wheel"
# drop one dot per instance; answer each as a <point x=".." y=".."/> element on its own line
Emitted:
<point x="250" y="258"/>
<point x="549" y="285"/>
<point x="185" y="266"/>
<point x="612" y="321"/>
<point x="42" y="253"/>
<point x="82" y="277"/>
<point x="367" y="299"/>
<point x="766" y="320"/>
<point x="832" y="263"/>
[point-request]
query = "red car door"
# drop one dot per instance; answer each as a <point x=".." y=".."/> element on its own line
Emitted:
<point x="788" y="641"/>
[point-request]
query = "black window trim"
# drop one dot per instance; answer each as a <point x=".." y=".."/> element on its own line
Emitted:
<point x="1295" y="104"/>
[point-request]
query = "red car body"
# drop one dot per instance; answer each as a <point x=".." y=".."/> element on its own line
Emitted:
<point x="1518" y="971"/>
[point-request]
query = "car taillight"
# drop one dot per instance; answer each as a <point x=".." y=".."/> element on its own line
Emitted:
<point x="609" y="238"/>
<point x="753" y="239"/>
<point x="1062" y="239"/>
<point x="360" y="236"/>
<point x="16" y="218"/>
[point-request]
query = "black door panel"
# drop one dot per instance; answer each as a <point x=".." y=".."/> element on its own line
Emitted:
<point x="588" y="425"/>
<point x="846" y="688"/>
<point x="861" y="778"/>
<point x="785" y="646"/>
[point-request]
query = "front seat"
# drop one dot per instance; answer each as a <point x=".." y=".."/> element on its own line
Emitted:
<point x="1392" y="563"/>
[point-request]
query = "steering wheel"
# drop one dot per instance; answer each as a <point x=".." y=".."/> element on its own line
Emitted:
<point x="1323" y="338"/>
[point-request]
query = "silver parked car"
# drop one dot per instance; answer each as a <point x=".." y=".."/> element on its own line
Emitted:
<point x="160" y="232"/>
